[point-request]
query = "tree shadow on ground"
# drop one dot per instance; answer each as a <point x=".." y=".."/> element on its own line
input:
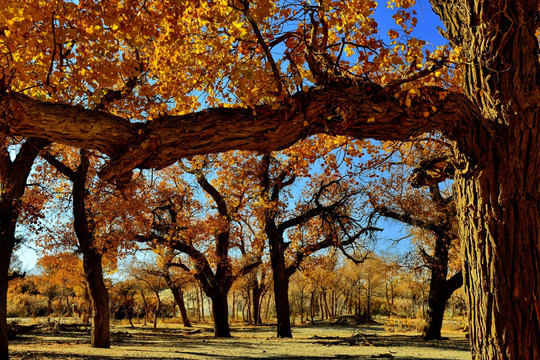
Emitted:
<point x="417" y="341"/>
<point x="142" y="344"/>
<point x="76" y="356"/>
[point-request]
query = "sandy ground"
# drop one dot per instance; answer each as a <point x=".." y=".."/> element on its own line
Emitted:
<point x="172" y="341"/>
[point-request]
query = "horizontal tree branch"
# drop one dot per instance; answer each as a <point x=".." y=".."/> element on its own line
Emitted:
<point x="360" y="110"/>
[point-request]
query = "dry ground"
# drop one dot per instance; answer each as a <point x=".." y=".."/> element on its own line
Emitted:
<point x="172" y="341"/>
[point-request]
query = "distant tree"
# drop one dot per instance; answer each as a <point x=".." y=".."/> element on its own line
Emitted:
<point x="175" y="226"/>
<point x="151" y="277"/>
<point x="99" y="222"/>
<point x="432" y="212"/>
<point x="327" y="214"/>
<point x="62" y="276"/>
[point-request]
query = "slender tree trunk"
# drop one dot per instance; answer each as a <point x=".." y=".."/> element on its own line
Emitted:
<point x="302" y="307"/>
<point x="267" y="311"/>
<point x="202" y="304"/>
<point x="179" y="298"/>
<point x="281" y="289"/>
<point x="93" y="272"/>
<point x="157" y="310"/>
<point x="312" y="306"/>
<point x="145" y="306"/>
<point x="256" y="299"/>
<point x="198" y="297"/>
<point x="326" y="307"/>
<point x="234" y="305"/>
<point x="387" y="300"/>
<point x="92" y="258"/>
<point x="69" y="309"/>
<point x="5" y="257"/>
<point x="248" y="307"/>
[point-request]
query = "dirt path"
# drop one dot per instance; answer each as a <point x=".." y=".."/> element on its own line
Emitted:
<point x="174" y="342"/>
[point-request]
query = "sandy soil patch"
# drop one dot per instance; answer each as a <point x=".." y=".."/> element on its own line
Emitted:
<point x="172" y="341"/>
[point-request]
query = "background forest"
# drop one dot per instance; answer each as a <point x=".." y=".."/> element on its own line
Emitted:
<point x="204" y="240"/>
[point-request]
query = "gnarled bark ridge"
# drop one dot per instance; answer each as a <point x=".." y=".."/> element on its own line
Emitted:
<point x="344" y="107"/>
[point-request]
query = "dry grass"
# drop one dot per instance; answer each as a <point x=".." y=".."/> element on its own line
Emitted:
<point x="172" y="341"/>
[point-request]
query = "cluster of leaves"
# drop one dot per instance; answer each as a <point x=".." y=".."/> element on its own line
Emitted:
<point x="143" y="59"/>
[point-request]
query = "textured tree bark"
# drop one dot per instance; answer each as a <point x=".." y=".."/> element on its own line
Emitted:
<point x="503" y="275"/>
<point x="161" y="142"/>
<point x="220" y="311"/>
<point x="100" y="333"/>
<point x="179" y="298"/>
<point x="498" y="193"/>
<point x="281" y="288"/>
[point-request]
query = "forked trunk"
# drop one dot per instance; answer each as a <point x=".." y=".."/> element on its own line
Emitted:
<point x="440" y="289"/>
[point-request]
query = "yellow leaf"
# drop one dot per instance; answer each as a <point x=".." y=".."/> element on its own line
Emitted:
<point x="393" y="34"/>
<point x="426" y="114"/>
<point x="408" y="102"/>
<point x="371" y="119"/>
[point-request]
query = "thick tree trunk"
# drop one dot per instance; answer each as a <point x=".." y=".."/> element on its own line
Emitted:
<point x="281" y="289"/>
<point x="93" y="272"/>
<point x="220" y="311"/>
<point x="501" y="231"/>
<point x="497" y="185"/>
